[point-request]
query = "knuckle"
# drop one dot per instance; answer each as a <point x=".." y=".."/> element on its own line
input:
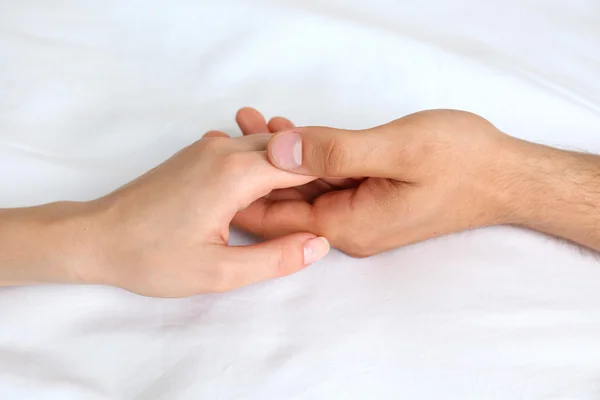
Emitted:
<point x="324" y="224"/>
<point x="202" y="147"/>
<point x="358" y="249"/>
<point x="358" y="252"/>
<point x="210" y="144"/>
<point x="280" y="262"/>
<point x="345" y="241"/>
<point x="287" y="260"/>
<point x="214" y="134"/>
<point x="334" y="157"/>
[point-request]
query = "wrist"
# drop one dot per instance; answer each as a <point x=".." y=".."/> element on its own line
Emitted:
<point x="497" y="183"/>
<point x="520" y="179"/>
<point x="552" y="190"/>
<point x="51" y="243"/>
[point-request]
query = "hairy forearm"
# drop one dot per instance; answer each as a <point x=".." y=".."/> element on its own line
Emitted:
<point x="558" y="192"/>
<point x="42" y="244"/>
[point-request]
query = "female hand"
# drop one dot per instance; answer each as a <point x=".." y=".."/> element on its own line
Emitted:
<point x="166" y="233"/>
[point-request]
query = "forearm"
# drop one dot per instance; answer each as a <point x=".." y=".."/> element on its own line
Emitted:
<point x="42" y="244"/>
<point x="558" y="192"/>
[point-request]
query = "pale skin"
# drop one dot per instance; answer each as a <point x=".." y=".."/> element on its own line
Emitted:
<point x="421" y="176"/>
<point x="164" y="234"/>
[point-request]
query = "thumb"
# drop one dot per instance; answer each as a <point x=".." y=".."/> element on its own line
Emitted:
<point x="329" y="152"/>
<point x="244" y="265"/>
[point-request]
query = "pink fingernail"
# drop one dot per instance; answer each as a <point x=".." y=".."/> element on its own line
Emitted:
<point x="315" y="249"/>
<point x="286" y="150"/>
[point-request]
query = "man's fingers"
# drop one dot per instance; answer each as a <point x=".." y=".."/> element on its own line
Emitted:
<point x="251" y="121"/>
<point x="350" y="219"/>
<point x="277" y="124"/>
<point x="269" y="219"/>
<point x="240" y="266"/>
<point x="328" y="216"/>
<point x="287" y="194"/>
<point x="307" y="192"/>
<point x="343" y="183"/>
<point x="328" y="152"/>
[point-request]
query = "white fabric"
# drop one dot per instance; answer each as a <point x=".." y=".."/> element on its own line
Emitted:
<point x="93" y="93"/>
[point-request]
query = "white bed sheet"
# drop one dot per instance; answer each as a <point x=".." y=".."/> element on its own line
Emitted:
<point x="93" y="93"/>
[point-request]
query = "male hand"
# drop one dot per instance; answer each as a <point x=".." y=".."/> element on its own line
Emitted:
<point x="418" y="177"/>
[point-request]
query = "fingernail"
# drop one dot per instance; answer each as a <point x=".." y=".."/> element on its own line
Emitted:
<point x="286" y="150"/>
<point x="315" y="249"/>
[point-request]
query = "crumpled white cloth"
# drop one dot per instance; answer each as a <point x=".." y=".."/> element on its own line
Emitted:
<point x="93" y="93"/>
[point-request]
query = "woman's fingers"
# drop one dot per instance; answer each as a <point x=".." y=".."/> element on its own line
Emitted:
<point x="251" y="121"/>
<point x="270" y="219"/>
<point x="243" y="265"/>
<point x="211" y="134"/>
<point x="257" y="142"/>
<point x="277" y="124"/>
